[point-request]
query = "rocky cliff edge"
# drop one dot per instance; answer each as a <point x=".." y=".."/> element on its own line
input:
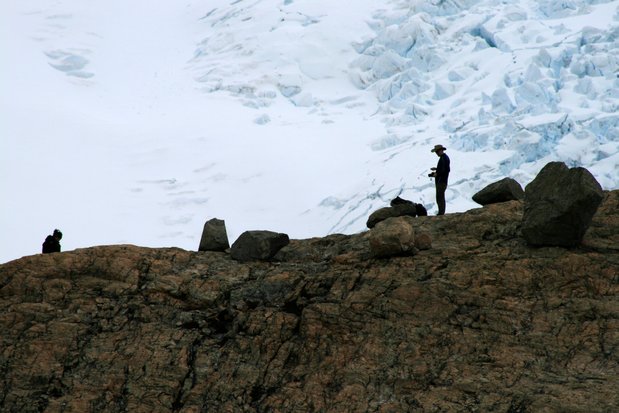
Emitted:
<point x="480" y="322"/>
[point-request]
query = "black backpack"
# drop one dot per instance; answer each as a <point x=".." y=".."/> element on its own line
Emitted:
<point x="421" y="210"/>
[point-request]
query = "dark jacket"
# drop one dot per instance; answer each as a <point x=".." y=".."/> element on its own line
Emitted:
<point x="51" y="244"/>
<point x="442" y="169"/>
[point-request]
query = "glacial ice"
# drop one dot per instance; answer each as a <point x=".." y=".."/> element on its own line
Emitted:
<point x="535" y="91"/>
<point x="69" y="63"/>
<point x="262" y="120"/>
<point x="520" y="82"/>
<point x="501" y="101"/>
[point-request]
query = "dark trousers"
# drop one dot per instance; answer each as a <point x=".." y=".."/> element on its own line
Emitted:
<point x="440" y="197"/>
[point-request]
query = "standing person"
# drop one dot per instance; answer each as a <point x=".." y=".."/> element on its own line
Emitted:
<point x="52" y="242"/>
<point x="441" y="176"/>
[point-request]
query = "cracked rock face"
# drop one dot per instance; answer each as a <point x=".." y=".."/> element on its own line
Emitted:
<point x="481" y="322"/>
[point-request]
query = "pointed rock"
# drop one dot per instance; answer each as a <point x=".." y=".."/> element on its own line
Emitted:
<point x="214" y="236"/>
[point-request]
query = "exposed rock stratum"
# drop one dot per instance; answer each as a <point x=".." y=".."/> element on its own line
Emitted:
<point x="481" y="322"/>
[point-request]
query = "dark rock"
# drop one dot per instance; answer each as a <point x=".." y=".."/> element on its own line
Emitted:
<point x="506" y="189"/>
<point x="559" y="205"/>
<point x="393" y="236"/>
<point x="397" y="210"/>
<point x="258" y="245"/>
<point x="214" y="236"/>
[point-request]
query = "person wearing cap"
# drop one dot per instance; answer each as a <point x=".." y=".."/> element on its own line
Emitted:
<point x="441" y="176"/>
<point x="52" y="242"/>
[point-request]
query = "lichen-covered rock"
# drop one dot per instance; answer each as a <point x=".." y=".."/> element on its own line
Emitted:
<point x="393" y="236"/>
<point x="559" y="205"/>
<point x="507" y="189"/>
<point x="481" y="322"/>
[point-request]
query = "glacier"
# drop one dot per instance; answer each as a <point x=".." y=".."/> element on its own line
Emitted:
<point x="135" y="123"/>
<point x="524" y="84"/>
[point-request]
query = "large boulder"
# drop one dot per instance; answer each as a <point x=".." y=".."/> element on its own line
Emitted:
<point x="506" y="189"/>
<point x="393" y="236"/>
<point x="258" y="245"/>
<point x="397" y="210"/>
<point x="559" y="205"/>
<point x="214" y="236"/>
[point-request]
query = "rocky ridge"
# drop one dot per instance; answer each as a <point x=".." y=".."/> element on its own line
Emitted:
<point x="480" y="322"/>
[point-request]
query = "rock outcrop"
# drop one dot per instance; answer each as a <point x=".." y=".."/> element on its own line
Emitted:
<point x="507" y="189"/>
<point x="559" y="205"/>
<point x="481" y="322"/>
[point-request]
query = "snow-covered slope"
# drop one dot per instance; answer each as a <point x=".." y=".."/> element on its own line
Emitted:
<point x="134" y="122"/>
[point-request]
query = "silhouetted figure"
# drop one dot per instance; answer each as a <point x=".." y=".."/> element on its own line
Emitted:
<point x="52" y="242"/>
<point x="441" y="175"/>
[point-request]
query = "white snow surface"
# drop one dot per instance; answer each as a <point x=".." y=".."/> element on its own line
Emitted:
<point x="134" y="122"/>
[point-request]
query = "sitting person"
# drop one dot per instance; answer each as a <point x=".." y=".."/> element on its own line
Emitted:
<point x="52" y="242"/>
